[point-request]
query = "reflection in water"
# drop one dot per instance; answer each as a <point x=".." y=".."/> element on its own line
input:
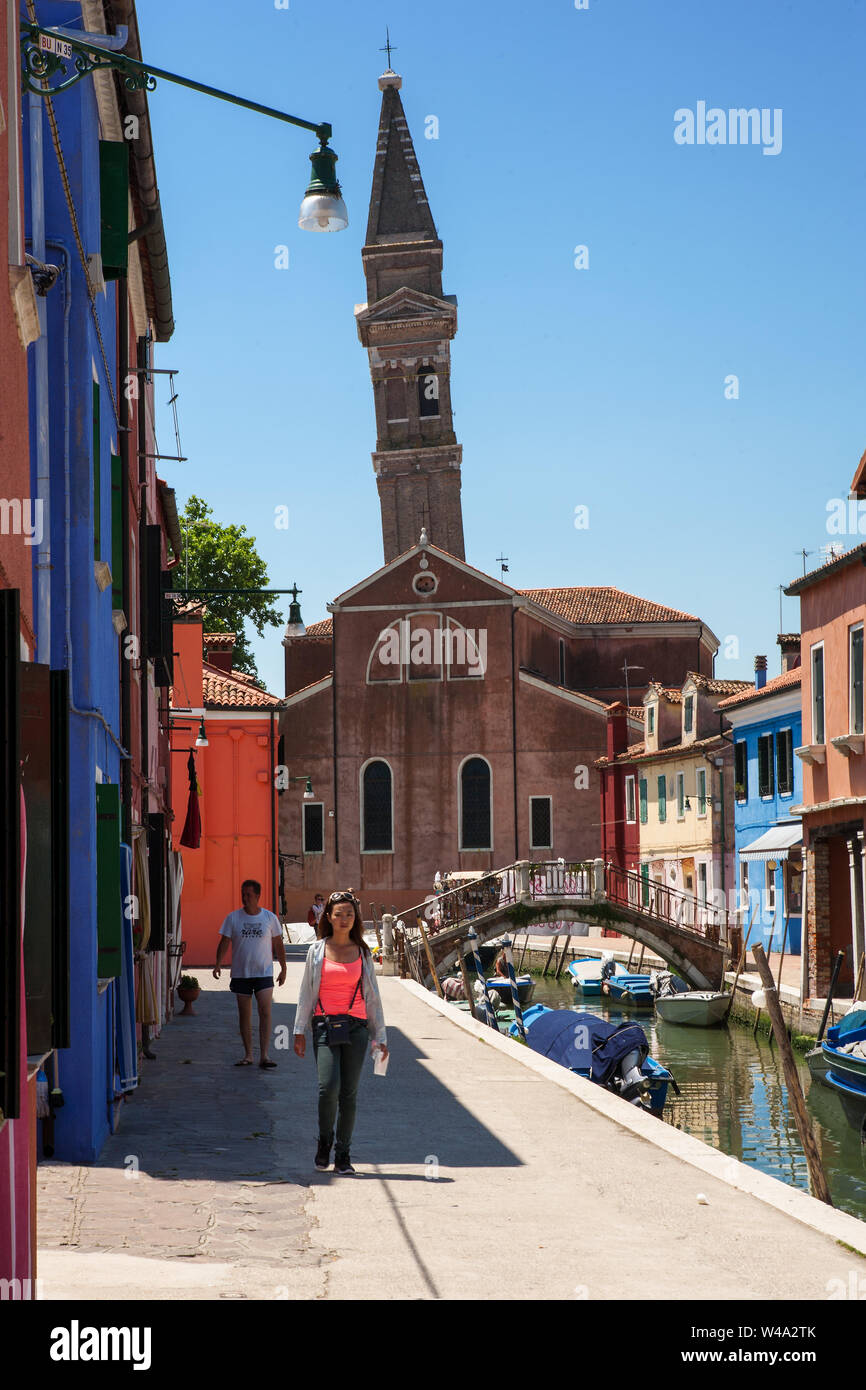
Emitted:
<point x="733" y="1096"/>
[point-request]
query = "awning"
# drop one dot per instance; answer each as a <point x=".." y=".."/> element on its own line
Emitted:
<point x="774" y="843"/>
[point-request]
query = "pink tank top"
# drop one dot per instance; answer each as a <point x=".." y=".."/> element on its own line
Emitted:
<point x="337" y="986"/>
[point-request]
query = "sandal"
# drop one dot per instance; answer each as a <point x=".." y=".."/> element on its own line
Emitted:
<point x="244" y="1062"/>
<point x="267" y="1065"/>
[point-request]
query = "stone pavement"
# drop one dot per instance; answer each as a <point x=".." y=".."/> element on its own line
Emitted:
<point x="478" y="1179"/>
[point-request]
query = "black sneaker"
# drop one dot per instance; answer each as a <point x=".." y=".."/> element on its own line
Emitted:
<point x="323" y="1156"/>
<point x="343" y="1166"/>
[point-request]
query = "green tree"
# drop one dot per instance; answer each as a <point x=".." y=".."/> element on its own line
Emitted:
<point x="225" y="557"/>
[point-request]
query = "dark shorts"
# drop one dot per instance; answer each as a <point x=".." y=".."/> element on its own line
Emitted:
<point x="251" y="984"/>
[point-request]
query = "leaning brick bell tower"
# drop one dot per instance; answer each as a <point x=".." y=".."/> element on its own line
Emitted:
<point x="406" y="326"/>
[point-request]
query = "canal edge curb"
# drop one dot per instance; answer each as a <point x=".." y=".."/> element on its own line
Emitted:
<point x="791" y="1201"/>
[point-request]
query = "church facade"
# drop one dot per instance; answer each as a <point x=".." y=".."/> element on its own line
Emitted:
<point x="446" y="720"/>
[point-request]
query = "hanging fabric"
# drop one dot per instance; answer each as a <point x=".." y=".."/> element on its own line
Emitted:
<point x="191" y="836"/>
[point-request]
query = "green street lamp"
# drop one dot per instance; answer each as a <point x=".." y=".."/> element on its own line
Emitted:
<point x="50" y="53"/>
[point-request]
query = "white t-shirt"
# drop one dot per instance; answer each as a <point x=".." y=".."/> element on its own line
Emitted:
<point x="252" y="953"/>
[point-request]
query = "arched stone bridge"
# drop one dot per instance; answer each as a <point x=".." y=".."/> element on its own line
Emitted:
<point x="695" y="940"/>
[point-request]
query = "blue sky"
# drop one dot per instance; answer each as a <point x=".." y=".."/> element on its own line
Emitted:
<point x="602" y="387"/>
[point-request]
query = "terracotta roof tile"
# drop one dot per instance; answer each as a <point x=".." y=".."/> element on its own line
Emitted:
<point x="324" y="628"/>
<point x="235" y="691"/>
<point x="786" y="681"/>
<point x="717" y="687"/>
<point x="603" y="604"/>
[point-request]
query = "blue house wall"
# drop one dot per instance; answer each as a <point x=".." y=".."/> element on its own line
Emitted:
<point x="757" y="814"/>
<point x="82" y="637"/>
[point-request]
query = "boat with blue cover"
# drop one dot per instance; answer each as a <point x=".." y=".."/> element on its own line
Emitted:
<point x="615" y="1056"/>
<point x="844" y="1050"/>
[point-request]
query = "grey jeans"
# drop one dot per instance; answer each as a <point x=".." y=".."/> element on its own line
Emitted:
<point x="339" y="1070"/>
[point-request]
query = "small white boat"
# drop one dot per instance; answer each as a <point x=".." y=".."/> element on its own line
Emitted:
<point x="699" y="1008"/>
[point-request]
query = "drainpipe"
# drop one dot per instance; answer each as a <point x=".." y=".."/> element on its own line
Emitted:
<point x="334" y="727"/>
<point x="40" y="378"/>
<point x="514" y="680"/>
<point x="123" y="450"/>
<point x="274" y="847"/>
<point x="856" y="900"/>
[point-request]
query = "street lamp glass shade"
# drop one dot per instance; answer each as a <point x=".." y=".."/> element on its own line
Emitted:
<point x="308" y="791"/>
<point x="323" y="212"/>
<point x="201" y="741"/>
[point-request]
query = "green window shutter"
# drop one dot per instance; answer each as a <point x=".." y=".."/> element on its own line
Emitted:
<point x="643" y="800"/>
<point x="109" y="908"/>
<point x="118" y="547"/>
<point x="114" y="206"/>
<point x="644" y="884"/>
<point x="663" y="799"/>
<point x="97" y="477"/>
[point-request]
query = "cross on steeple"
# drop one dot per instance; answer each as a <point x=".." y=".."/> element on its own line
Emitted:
<point x="387" y="48"/>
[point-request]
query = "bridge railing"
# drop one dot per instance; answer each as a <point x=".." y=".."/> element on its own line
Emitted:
<point x="670" y="905"/>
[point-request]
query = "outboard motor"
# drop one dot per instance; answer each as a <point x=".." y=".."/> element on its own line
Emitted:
<point x="662" y="984"/>
<point x="607" y="965"/>
<point x="630" y="1080"/>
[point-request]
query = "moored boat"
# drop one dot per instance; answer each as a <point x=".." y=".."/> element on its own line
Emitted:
<point x="525" y="988"/>
<point x="615" y="1056"/>
<point x="844" y="1051"/>
<point x="695" y="1008"/>
<point x="631" y="989"/>
<point x="586" y="974"/>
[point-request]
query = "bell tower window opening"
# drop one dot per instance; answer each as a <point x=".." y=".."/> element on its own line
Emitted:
<point x="428" y="393"/>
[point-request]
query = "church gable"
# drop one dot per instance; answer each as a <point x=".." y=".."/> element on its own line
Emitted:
<point x="424" y="574"/>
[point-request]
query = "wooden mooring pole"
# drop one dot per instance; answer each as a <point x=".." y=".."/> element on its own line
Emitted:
<point x="781" y="963"/>
<point x="817" y="1176"/>
<point x="740" y="964"/>
<point x="465" y="973"/>
<point x="437" y="982"/>
<point x="550" y="957"/>
<point x="562" y="957"/>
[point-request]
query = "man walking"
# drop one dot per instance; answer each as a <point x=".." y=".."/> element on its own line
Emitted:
<point x="250" y="932"/>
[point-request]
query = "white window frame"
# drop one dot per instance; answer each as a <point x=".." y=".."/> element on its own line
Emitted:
<point x="361" y="772"/>
<point x="701" y="772"/>
<point x="744" y="886"/>
<point x="476" y="849"/>
<point x="785" y="796"/>
<point x="681" y="795"/>
<point x="630" y="786"/>
<point x="686" y="708"/>
<point x="770" y="888"/>
<point x="818" y="646"/>
<point x="532" y="844"/>
<point x="774" y="779"/>
<point x="651" y="720"/>
<point x="855" y="627"/>
<point x="702" y="875"/>
<point x="310" y="805"/>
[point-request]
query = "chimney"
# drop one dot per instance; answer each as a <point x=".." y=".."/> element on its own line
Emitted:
<point x="617" y="729"/>
<point x="760" y="672"/>
<point x="219" y="650"/>
<point x="790" y="644"/>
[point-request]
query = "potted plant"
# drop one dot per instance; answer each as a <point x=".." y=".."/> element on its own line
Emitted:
<point x="188" y="990"/>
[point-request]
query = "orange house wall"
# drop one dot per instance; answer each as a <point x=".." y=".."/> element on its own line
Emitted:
<point x="827" y="611"/>
<point x="235" y="773"/>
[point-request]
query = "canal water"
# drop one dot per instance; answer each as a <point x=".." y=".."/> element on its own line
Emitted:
<point x="733" y="1096"/>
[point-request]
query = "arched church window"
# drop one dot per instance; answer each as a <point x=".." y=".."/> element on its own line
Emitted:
<point x="475" y="816"/>
<point x="377" y="832"/>
<point x="428" y="392"/>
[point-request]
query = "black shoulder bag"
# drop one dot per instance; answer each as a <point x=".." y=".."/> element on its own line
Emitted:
<point x="337" y="1025"/>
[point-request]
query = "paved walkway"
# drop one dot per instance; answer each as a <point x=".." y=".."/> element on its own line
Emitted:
<point x="481" y="1179"/>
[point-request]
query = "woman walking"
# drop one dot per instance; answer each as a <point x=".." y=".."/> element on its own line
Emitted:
<point x="340" y="1000"/>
